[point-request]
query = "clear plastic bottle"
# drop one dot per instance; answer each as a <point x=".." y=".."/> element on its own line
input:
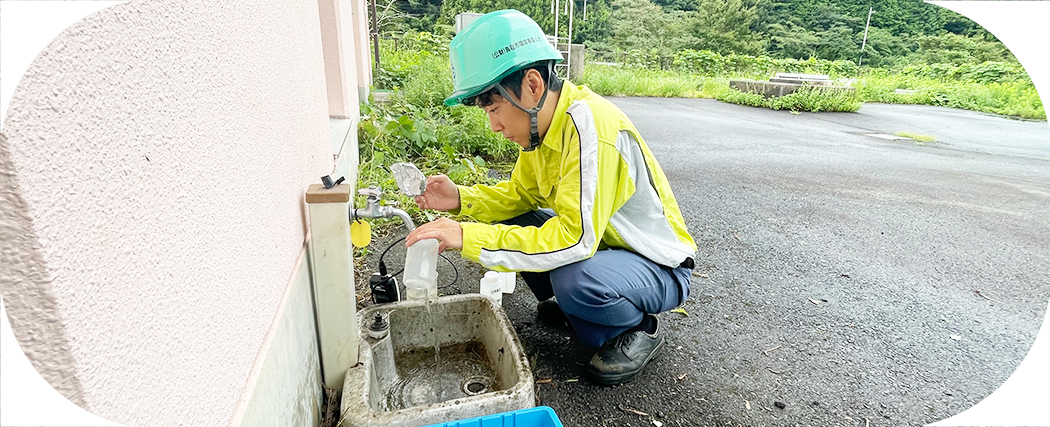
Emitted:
<point x="421" y="270"/>
<point x="492" y="286"/>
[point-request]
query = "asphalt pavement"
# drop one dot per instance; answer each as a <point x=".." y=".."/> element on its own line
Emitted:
<point x="841" y="280"/>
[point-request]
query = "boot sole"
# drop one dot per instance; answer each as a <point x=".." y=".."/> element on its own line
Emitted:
<point x="624" y="377"/>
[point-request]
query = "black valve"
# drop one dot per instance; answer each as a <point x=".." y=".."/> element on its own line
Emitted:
<point x="327" y="181"/>
<point x="379" y="323"/>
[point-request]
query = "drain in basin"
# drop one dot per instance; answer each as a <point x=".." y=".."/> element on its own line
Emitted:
<point x="463" y="372"/>
<point x="475" y="386"/>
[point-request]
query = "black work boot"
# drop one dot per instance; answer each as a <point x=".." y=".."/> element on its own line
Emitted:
<point x="549" y="312"/>
<point x="621" y="359"/>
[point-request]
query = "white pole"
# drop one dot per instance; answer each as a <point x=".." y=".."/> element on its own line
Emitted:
<point x="557" y="8"/>
<point x="568" y="42"/>
<point x="865" y="42"/>
<point x="584" y="10"/>
<point x="572" y="10"/>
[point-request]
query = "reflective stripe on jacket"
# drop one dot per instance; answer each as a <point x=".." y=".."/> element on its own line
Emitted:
<point x="601" y="180"/>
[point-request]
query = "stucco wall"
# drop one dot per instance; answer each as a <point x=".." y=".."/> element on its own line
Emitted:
<point x="285" y="386"/>
<point x="157" y="153"/>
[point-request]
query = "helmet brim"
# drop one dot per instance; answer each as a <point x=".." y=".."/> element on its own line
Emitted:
<point x="457" y="97"/>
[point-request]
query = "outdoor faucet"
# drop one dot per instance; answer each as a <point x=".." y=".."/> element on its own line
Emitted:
<point x="372" y="208"/>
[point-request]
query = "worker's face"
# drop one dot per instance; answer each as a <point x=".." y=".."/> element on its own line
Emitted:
<point x="509" y="120"/>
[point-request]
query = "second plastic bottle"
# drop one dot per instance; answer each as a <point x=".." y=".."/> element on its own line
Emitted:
<point x="491" y="286"/>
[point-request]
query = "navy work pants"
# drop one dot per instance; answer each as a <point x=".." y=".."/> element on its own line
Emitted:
<point x="608" y="293"/>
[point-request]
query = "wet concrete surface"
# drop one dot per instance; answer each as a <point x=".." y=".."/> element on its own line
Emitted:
<point x="842" y="280"/>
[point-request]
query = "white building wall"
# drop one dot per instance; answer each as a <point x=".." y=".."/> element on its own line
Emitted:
<point x="363" y="39"/>
<point x="157" y="156"/>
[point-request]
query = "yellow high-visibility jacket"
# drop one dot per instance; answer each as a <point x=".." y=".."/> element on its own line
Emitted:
<point x="601" y="180"/>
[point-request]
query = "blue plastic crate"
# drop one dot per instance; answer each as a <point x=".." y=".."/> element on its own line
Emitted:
<point x="540" y="416"/>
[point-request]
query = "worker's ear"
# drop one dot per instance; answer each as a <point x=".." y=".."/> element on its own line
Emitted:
<point x="534" y="83"/>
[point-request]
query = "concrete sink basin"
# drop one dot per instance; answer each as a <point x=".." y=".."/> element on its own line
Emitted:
<point x="478" y="367"/>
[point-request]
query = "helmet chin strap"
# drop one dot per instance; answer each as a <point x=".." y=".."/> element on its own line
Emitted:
<point x="534" y="138"/>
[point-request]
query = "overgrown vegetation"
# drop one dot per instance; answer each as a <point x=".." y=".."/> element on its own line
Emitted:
<point x="900" y="32"/>
<point x="993" y="87"/>
<point x="813" y="99"/>
<point x="414" y="125"/>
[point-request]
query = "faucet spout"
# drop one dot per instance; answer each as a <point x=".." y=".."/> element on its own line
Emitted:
<point x="404" y="217"/>
<point x="384" y="212"/>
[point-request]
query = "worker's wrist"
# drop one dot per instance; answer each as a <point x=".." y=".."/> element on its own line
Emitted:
<point x="466" y="204"/>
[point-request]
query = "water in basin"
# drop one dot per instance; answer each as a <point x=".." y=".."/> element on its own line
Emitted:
<point x="482" y="368"/>
<point x="461" y="372"/>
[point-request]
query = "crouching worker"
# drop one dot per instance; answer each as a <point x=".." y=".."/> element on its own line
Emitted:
<point x="587" y="216"/>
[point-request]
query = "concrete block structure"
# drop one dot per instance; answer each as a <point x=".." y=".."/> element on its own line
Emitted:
<point x="773" y="89"/>
<point x="576" y="59"/>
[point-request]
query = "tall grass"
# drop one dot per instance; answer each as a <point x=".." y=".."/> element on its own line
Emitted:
<point x="620" y="81"/>
<point x="1017" y="98"/>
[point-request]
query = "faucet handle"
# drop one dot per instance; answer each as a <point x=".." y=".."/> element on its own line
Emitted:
<point x="370" y="192"/>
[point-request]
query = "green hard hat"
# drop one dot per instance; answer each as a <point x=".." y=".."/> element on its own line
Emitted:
<point x="493" y="46"/>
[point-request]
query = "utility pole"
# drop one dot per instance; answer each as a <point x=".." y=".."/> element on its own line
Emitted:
<point x="865" y="42"/>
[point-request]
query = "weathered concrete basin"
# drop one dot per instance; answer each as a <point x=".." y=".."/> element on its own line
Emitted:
<point x="483" y="369"/>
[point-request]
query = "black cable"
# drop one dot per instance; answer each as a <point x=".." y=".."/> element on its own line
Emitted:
<point x="454" y="269"/>
<point x="382" y="265"/>
<point x="389" y="247"/>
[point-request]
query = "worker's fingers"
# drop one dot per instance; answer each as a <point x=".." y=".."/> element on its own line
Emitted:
<point x="448" y="233"/>
<point x="438" y="180"/>
<point x="425" y="231"/>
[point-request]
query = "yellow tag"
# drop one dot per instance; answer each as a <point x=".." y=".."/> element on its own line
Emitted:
<point x="360" y="233"/>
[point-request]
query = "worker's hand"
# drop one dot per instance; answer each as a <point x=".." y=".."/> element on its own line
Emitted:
<point x="442" y="194"/>
<point x="447" y="231"/>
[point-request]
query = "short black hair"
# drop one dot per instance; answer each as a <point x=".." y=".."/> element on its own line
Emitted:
<point x="513" y="83"/>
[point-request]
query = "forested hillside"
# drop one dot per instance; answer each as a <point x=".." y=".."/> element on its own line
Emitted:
<point x="901" y="30"/>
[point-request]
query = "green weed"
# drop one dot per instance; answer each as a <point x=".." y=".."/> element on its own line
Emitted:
<point x="926" y="139"/>
<point x="808" y="98"/>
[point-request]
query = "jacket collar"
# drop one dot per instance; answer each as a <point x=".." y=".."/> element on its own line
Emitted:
<point x="568" y="95"/>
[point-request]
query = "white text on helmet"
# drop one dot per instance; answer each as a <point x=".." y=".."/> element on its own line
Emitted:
<point x="516" y="45"/>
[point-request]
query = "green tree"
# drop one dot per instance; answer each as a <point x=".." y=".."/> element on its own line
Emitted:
<point x="792" y="41"/>
<point x="538" y="10"/>
<point x="958" y="50"/>
<point x="884" y="49"/>
<point x="642" y="25"/>
<point x="683" y="5"/>
<point x="421" y="15"/>
<point x="724" y="26"/>
<point x="597" y="27"/>
<point x="596" y="30"/>
<point x="837" y="43"/>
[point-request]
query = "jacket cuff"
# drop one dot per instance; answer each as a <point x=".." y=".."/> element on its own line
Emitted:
<point x="473" y="234"/>
<point x="467" y="198"/>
